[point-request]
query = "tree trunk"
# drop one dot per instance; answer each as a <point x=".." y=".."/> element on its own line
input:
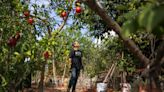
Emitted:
<point x="11" y="86"/>
<point x="114" y="25"/>
<point x="64" y="73"/>
<point x="154" y="82"/>
<point x="41" y="83"/>
<point x="36" y="78"/>
<point x="54" y="67"/>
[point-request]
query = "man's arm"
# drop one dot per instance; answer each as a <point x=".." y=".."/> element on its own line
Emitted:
<point x="70" y="57"/>
<point x="70" y="61"/>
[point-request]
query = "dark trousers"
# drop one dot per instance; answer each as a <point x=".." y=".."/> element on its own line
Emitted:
<point x="74" y="77"/>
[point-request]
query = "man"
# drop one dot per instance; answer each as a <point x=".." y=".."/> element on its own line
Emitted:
<point x="76" y="66"/>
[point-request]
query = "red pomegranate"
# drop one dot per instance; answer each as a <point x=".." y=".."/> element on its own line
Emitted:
<point x="30" y="21"/>
<point x="78" y="9"/>
<point x="26" y="13"/>
<point x="63" y="14"/>
<point x="11" y="42"/>
<point x="46" y="54"/>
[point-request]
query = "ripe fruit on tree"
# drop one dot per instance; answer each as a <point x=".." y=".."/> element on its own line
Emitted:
<point x="30" y="21"/>
<point x="63" y="14"/>
<point x="12" y="42"/>
<point x="26" y="13"/>
<point x="46" y="54"/>
<point x="78" y="9"/>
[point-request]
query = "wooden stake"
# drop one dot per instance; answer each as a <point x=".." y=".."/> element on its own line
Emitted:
<point x="112" y="71"/>
<point x="109" y="72"/>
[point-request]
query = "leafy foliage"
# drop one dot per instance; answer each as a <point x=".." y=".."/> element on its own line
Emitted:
<point x="149" y="19"/>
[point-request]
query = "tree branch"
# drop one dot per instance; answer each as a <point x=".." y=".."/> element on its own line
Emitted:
<point x="114" y="25"/>
<point x="159" y="56"/>
<point x="157" y="62"/>
<point x="49" y="30"/>
<point x="64" y="22"/>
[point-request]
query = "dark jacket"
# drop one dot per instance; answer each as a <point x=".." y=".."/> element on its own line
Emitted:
<point x="76" y="59"/>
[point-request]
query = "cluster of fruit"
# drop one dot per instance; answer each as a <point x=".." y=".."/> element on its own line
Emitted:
<point x="13" y="40"/>
<point x="27" y="15"/>
<point x="78" y="9"/>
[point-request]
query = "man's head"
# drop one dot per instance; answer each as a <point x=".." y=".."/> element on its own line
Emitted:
<point x="76" y="45"/>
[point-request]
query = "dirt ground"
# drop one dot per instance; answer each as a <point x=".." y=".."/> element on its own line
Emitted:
<point x="53" y="89"/>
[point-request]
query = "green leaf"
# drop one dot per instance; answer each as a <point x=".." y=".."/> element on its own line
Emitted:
<point x="129" y="27"/>
<point x="28" y="53"/>
<point x="151" y="17"/>
<point x="142" y="19"/>
<point x="158" y="31"/>
<point x="121" y="7"/>
<point x="156" y="17"/>
<point x="4" y="82"/>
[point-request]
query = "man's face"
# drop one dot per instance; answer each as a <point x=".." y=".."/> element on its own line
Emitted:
<point x="76" y="47"/>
